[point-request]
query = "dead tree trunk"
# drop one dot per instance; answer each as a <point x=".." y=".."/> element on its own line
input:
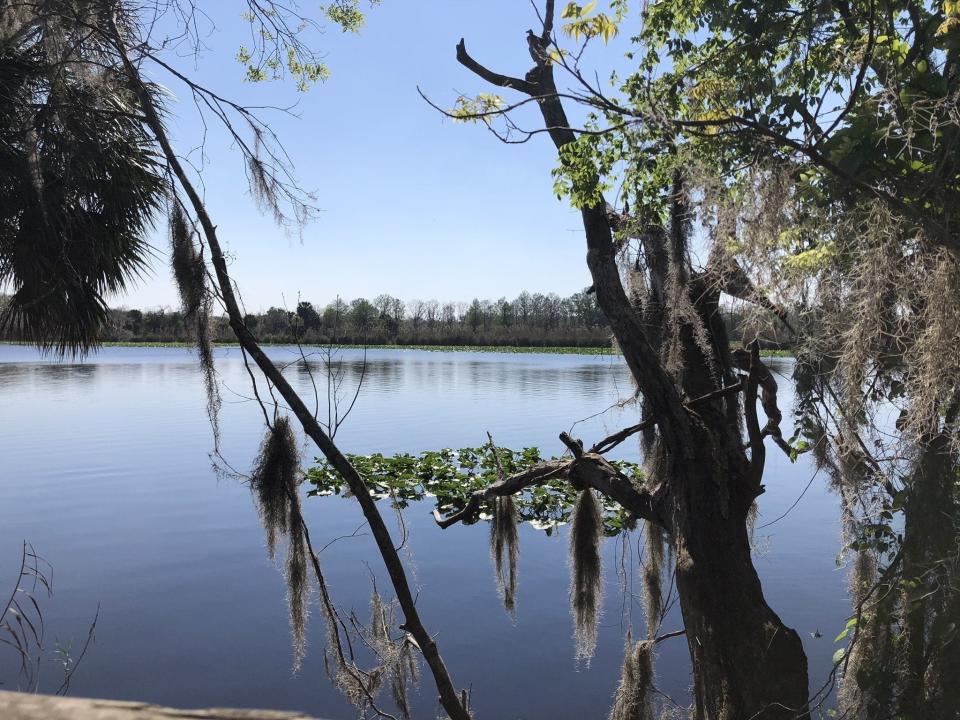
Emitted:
<point x="746" y="662"/>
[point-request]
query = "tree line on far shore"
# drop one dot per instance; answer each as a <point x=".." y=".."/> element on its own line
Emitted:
<point x="530" y="319"/>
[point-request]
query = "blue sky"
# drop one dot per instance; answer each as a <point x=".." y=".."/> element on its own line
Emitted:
<point x="413" y="204"/>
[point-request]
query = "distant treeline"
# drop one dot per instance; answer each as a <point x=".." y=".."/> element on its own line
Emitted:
<point x="530" y="319"/>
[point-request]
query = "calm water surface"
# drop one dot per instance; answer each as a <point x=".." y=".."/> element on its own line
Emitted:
<point x="105" y="468"/>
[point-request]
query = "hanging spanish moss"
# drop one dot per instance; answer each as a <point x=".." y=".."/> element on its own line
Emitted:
<point x="190" y="273"/>
<point x="274" y="480"/>
<point x="632" y="700"/>
<point x="298" y="594"/>
<point x="397" y="662"/>
<point x="264" y="186"/>
<point x="684" y="326"/>
<point x="187" y="265"/>
<point x="274" y="485"/>
<point x="652" y="577"/>
<point x="398" y="689"/>
<point x="504" y="541"/>
<point x="381" y="618"/>
<point x="851" y="699"/>
<point x="586" y="587"/>
<point x="403" y="672"/>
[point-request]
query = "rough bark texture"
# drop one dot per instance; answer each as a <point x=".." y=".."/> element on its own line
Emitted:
<point x="747" y="663"/>
<point x="929" y="677"/>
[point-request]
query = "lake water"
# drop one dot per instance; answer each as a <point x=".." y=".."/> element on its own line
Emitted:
<point x="105" y="468"/>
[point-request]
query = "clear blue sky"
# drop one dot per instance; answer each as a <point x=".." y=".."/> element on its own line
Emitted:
<point x="413" y="204"/>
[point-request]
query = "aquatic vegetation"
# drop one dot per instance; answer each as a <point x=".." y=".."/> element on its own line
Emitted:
<point x="451" y="476"/>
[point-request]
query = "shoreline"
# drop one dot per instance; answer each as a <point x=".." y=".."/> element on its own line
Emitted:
<point x="505" y="349"/>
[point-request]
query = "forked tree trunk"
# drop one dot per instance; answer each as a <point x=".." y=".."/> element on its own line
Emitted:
<point x="747" y="664"/>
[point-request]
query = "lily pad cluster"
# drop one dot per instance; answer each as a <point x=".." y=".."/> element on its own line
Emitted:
<point x="449" y="477"/>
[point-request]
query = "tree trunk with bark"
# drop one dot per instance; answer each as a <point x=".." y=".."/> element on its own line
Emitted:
<point x="746" y="662"/>
<point x="930" y="602"/>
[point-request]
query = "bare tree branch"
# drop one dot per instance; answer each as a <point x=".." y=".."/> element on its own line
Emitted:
<point x="448" y="695"/>
<point x="494" y="78"/>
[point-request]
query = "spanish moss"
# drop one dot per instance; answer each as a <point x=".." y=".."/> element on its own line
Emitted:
<point x="397" y="664"/>
<point x="274" y="480"/>
<point x="298" y="594"/>
<point x="586" y="590"/>
<point x="632" y="700"/>
<point x="187" y="265"/>
<point x="849" y="695"/>
<point x="504" y="541"/>
<point x="358" y="686"/>
<point x="652" y="577"/>
<point x="397" y="661"/>
<point x="190" y="273"/>
<point x="274" y="485"/>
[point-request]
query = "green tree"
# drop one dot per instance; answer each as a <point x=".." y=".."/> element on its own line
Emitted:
<point x="833" y="128"/>
<point x="706" y="476"/>
<point x="275" y="323"/>
<point x="80" y="178"/>
<point x="363" y="314"/>
<point x="474" y="316"/>
<point x="308" y="316"/>
<point x="134" y="321"/>
<point x="504" y="312"/>
<point x="817" y="145"/>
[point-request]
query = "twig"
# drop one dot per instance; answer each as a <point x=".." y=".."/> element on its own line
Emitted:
<point x="68" y="676"/>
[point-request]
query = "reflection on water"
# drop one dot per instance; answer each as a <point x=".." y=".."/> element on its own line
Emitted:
<point x="104" y="466"/>
<point x="428" y="374"/>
